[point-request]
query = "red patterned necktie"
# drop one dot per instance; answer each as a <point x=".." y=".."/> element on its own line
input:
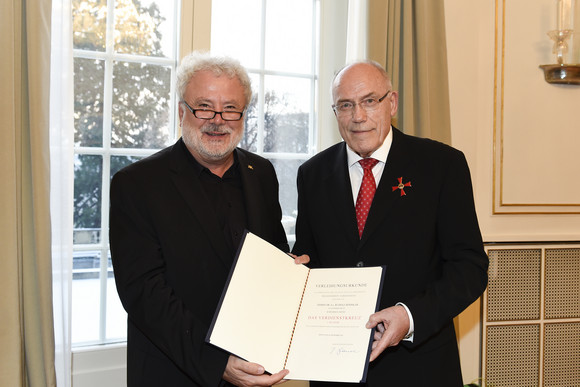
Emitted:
<point x="365" y="193"/>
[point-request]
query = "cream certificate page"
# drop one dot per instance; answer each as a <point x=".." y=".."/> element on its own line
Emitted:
<point x="331" y="342"/>
<point x="259" y="309"/>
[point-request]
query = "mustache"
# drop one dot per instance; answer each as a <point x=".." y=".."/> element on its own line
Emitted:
<point x="214" y="128"/>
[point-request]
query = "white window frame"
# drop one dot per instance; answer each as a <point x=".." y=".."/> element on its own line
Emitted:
<point x="312" y="76"/>
<point x="106" y="151"/>
<point x="95" y="366"/>
<point x="261" y="72"/>
<point x="196" y="35"/>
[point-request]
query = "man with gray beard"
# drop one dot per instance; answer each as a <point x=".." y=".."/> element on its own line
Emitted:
<point x="176" y="220"/>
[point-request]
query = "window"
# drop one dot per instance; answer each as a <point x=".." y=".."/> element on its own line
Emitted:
<point x="277" y="41"/>
<point x="125" y="54"/>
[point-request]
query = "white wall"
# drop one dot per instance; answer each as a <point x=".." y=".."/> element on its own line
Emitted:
<point x="100" y="366"/>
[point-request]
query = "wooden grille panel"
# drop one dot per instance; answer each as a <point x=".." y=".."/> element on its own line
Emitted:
<point x="563" y="283"/>
<point x="513" y="355"/>
<point x="513" y="290"/>
<point x="562" y="355"/>
<point x="531" y="315"/>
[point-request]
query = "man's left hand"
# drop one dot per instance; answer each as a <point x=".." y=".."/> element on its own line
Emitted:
<point x="392" y="326"/>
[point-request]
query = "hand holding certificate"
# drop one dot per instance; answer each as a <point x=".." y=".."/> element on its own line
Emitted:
<point x="309" y="321"/>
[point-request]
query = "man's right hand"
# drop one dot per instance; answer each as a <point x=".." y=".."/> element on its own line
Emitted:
<point x="245" y="374"/>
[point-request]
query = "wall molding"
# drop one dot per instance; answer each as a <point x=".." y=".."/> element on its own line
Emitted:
<point x="530" y="174"/>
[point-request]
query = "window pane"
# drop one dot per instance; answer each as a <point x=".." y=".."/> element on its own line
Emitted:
<point x="287" y="114"/>
<point x="87" y="199"/>
<point x="235" y="30"/>
<point x="286" y="172"/>
<point x="116" y="325"/>
<point x="140" y="116"/>
<point x="89" y="24"/>
<point x="86" y="301"/>
<point x="85" y="296"/>
<point x="289" y="38"/>
<point x="250" y="139"/>
<point x="88" y="90"/>
<point x="144" y="27"/>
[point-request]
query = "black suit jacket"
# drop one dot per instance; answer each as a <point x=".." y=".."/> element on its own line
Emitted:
<point x="428" y="239"/>
<point x="171" y="262"/>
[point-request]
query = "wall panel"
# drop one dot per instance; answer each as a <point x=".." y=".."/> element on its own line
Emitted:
<point x="536" y="126"/>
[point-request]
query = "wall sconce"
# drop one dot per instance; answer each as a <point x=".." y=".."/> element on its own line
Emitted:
<point x="562" y="73"/>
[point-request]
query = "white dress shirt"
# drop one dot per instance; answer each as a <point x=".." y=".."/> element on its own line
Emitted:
<point x="355" y="171"/>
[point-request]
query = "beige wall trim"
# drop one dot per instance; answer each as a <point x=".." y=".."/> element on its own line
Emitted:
<point x="535" y="158"/>
<point x="195" y="35"/>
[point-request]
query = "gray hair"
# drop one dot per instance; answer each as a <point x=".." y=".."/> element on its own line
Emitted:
<point x="197" y="61"/>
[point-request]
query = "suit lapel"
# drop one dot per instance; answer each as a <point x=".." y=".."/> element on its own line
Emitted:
<point x="340" y="192"/>
<point x="190" y="188"/>
<point x="385" y="198"/>
<point x="253" y="196"/>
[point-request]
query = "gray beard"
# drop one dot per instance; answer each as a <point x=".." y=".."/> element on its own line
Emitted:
<point x="194" y="142"/>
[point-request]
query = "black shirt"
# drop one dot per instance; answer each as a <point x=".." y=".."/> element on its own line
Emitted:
<point x="226" y="195"/>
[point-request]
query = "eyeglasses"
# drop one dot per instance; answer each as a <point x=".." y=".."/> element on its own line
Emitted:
<point x="207" y="114"/>
<point x="347" y="107"/>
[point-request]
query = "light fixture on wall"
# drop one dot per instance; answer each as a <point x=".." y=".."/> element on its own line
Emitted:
<point x="562" y="73"/>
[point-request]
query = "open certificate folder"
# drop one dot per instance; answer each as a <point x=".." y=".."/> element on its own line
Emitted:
<point x="287" y="316"/>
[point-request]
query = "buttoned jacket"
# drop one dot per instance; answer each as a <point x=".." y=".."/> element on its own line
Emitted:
<point x="422" y="227"/>
<point x="171" y="262"/>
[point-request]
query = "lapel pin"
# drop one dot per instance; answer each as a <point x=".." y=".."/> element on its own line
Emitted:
<point x="402" y="186"/>
<point x="250" y="167"/>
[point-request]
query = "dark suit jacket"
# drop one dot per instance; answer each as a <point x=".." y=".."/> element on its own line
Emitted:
<point x="171" y="262"/>
<point x="428" y="239"/>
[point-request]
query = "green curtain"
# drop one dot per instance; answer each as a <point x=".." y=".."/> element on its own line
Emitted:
<point x="26" y="331"/>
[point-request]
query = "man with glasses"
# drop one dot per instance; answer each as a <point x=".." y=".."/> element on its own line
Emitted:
<point x="176" y="221"/>
<point x="383" y="198"/>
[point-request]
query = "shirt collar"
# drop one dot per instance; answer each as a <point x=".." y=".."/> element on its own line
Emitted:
<point x="200" y="168"/>
<point x="380" y="154"/>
